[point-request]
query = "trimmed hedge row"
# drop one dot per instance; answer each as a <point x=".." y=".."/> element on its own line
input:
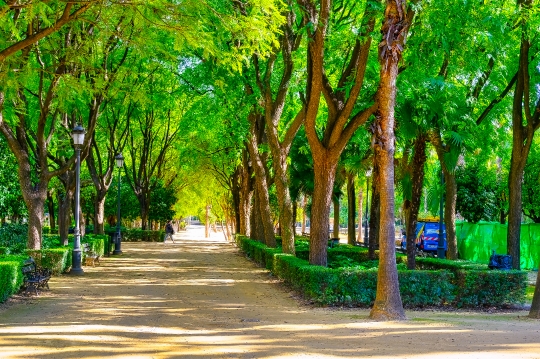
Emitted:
<point x="480" y="286"/>
<point x="437" y="282"/>
<point x="139" y="235"/>
<point x="11" y="277"/>
<point x="58" y="260"/>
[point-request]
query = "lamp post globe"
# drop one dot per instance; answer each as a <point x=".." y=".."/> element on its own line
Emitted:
<point x="119" y="159"/>
<point x="77" y="134"/>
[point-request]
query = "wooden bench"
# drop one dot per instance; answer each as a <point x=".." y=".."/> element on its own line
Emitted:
<point x="35" y="277"/>
<point x="90" y="257"/>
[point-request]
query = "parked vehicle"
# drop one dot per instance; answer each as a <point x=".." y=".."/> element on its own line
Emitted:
<point x="427" y="238"/>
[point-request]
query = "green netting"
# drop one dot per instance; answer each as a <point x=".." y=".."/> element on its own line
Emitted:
<point x="476" y="242"/>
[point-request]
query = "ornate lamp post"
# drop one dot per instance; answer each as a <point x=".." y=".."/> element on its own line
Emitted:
<point x="118" y="236"/>
<point x="77" y="134"/>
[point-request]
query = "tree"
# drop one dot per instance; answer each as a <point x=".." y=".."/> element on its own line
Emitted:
<point x="525" y="122"/>
<point x="340" y="97"/>
<point x="396" y="24"/>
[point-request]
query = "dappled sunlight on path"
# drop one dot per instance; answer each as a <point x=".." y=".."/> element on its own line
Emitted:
<point x="200" y="298"/>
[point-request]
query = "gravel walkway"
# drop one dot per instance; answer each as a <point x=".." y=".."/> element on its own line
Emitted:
<point x="200" y="298"/>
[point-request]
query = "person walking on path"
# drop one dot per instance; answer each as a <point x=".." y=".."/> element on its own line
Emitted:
<point x="169" y="231"/>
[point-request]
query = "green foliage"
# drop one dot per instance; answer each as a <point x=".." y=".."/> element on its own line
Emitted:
<point x="476" y="197"/>
<point x="14" y="236"/>
<point x="162" y="199"/>
<point x="11" y="200"/>
<point x="531" y="187"/>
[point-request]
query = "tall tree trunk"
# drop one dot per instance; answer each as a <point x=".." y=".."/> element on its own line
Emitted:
<point x="351" y="213"/>
<point x="295" y="213"/>
<point x="246" y="195"/>
<point x="360" y="214"/>
<point x="257" y="227"/>
<point x="304" y="215"/>
<point x="99" y="209"/>
<point x="451" y="194"/>
<point x="335" y="200"/>
<point x="286" y="217"/>
<point x="236" y="189"/>
<point x="325" y="174"/>
<point x="374" y="212"/>
<point x="388" y="305"/>
<point x="262" y="191"/>
<point x="450" y="214"/>
<point x="50" y="207"/>
<point x="419" y="160"/>
<point x="64" y="216"/>
<point x="522" y="137"/>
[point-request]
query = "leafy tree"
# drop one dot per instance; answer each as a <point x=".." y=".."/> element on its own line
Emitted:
<point x="11" y="201"/>
<point x="476" y="199"/>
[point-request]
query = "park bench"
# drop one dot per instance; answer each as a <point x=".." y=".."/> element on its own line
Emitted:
<point x="90" y="257"/>
<point x="35" y="277"/>
<point x="332" y="242"/>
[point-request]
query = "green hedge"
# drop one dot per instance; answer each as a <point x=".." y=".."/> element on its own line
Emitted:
<point x="97" y="243"/>
<point x="58" y="260"/>
<point x="344" y="286"/>
<point x="11" y="277"/>
<point x="479" y="285"/>
<point x="437" y="282"/>
<point x="139" y="235"/>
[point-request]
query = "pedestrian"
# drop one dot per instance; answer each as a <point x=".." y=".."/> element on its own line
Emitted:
<point x="169" y="231"/>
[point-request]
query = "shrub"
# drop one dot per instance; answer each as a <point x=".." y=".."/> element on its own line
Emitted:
<point x="58" y="260"/>
<point x="490" y="287"/>
<point x="11" y="277"/>
<point x="139" y="235"/>
<point x="443" y="282"/>
<point x="14" y="236"/>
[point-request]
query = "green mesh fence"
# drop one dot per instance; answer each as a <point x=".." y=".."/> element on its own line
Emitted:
<point x="476" y="242"/>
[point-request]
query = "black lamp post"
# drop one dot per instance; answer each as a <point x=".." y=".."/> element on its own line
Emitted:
<point x="78" y="139"/>
<point x="440" y="242"/>
<point x="118" y="237"/>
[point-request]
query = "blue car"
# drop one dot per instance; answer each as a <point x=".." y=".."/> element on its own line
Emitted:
<point x="427" y="238"/>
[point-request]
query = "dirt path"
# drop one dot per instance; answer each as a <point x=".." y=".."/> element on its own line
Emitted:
<point x="200" y="298"/>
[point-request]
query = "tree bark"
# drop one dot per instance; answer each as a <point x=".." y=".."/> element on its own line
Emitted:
<point x="450" y="196"/>
<point x="525" y="122"/>
<point x="351" y="213"/>
<point x="419" y="160"/>
<point x="388" y="305"/>
<point x="320" y="222"/>
<point x="261" y="180"/>
<point x="374" y="212"/>
<point x="246" y="195"/>
<point x="50" y="207"/>
<point x="335" y="200"/>
<point x="360" y="214"/>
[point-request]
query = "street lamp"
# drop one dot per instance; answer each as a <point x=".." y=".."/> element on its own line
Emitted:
<point x="77" y="134"/>
<point x="118" y="237"/>
<point x="366" y="240"/>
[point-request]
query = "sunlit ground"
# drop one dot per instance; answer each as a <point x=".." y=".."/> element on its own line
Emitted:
<point x="200" y="299"/>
